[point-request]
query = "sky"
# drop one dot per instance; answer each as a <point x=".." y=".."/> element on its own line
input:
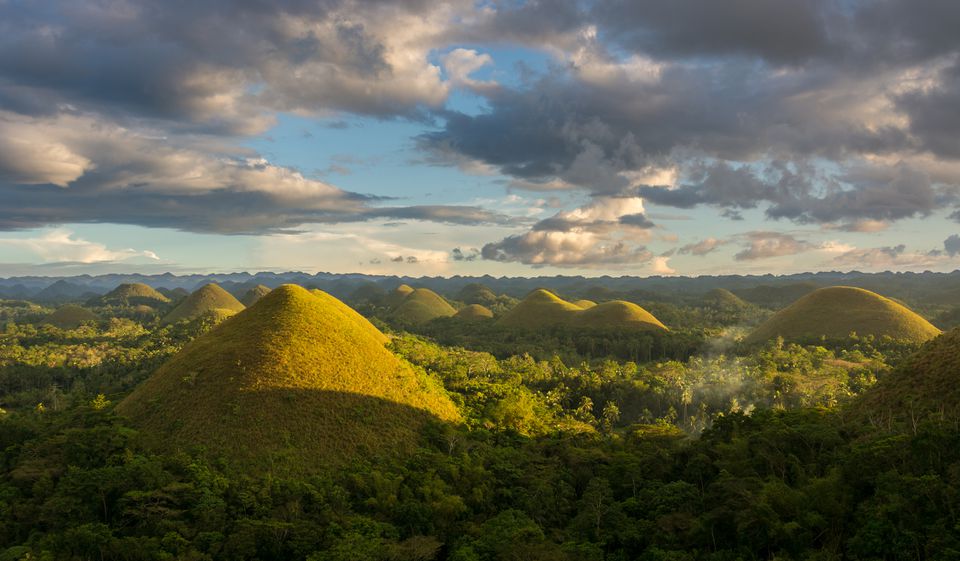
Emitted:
<point x="415" y="137"/>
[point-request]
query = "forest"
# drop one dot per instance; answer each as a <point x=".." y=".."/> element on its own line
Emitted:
<point x="593" y="444"/>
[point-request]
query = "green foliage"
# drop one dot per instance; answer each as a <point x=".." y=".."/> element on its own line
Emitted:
<point x="836" y="312"/>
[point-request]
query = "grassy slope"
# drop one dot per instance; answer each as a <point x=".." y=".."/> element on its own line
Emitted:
<point x="836" y="311"/>
<point x="69" y="317"/>
<point x="475" y="293"/>
<point x="423" y="305"/>
<point x="474" y="312"/>
<point x="620" y="314"/>
<point x="928" y="383"/>
<point x="724" y="299"/>
<point x="540" y="308"/>
<point x="209" y="298"/>
<point x="251" y="296"/>
<point x="585" y="304"/>
<point x="134" y="293"/>
<point x="346" y="313"/>
<point x="398" y="295"/>
<point x="294" y="384"/>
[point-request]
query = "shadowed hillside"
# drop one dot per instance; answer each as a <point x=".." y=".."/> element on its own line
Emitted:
<point x="926" y="385"/>
<point x="291" y="384"/>
<point x="476" y="293"/>
<point x="69" y="316"/>
<point x="618" y="314"/>
<point x="723" y="299"/>
<point x="208" y="299"/>
<point x="251" y="296"/>
<point x="836" y="311"/>
<point x="474" y="312"/>
<point x="132" y="294"/>
<point x="422" y="305"/>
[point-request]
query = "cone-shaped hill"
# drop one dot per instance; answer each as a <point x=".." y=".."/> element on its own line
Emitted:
<point x="474" y="312"/>
<point x="926" y="384"/>
<point x="421" y="306"/>
<point x="209" y="299"/>
<point x="133" y="294"/>
<point x="834" y="312"/>
<point x="723" y="299"/>
<point x="475" y="293"/>
<point x="540" y="308"/>
<point x="398" y="295"/>
<point x="291" y="384"/>
<point x="618" y="314"/>
<point x="251" y="296"/>
<point x="69" y="316"/>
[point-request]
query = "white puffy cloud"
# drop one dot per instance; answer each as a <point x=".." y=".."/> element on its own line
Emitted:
<point x="60" y="245"/>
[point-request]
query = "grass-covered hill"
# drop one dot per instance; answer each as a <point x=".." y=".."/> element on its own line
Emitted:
<point x="132" y="294"/>
<point x="69" y="316"/>
<point x="723" y="299"/>
<point x="251" y="296"/>
<point x="474" y="312"/>
<point x="397" y="296"/>
<point x="421" y="306"/>
<point x="476" y="293"/>
<point x="618" y="314"/>
<point x="834" y="312"/>
<point x="540" y="308"/>
<point x="209" y="299"/>
<point x="351" y="316"/>
<point x="926" y="385"/>
<point x="292" y="384"/>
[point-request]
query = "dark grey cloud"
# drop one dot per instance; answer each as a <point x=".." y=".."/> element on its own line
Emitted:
<point x="218" y="65"/>
<point x="951" y="245"/>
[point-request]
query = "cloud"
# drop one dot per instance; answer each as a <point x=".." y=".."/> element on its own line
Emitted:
<point x="888" y="258"/>
<point x="461" y="63"/>
<point x="660" y="265"/>
<point x="135" y="177"/>
<point x="458" y="254"/>
<point x="604" y="232"/>
<point x="764" y="245"/>
<point x="951" y="245"/>
<point x="62" y="246"/>
<point x="703" y="247"/>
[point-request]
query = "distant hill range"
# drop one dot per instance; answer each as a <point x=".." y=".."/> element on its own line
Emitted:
<point x="769" y="291"/>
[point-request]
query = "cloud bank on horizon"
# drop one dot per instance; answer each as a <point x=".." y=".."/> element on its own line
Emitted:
<point x="801" y="129"/>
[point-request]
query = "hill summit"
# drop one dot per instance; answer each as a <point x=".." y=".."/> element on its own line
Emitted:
<point x="251" y="296"/>
<point x="133" y="294"/>
<point x="542" y="308"/>
<point x="474" y="312"/>
<point x="208" y="299"/>
<point x="422" y="305"/>
<point x="834" y="312"/>
<point x="292" y="384"/>
<point x="69" y="316"/>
